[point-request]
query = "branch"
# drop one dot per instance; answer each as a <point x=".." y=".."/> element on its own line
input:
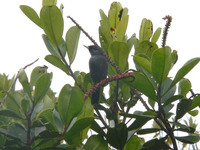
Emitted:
<point x="165" y="32"/>
<point x="70" y="70"/>
<point x="15" y="80"/>
<point x="95" y="43"/>
<point x="107" y="80"/>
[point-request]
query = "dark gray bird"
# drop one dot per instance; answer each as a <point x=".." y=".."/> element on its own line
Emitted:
<point x="98" y="69"/>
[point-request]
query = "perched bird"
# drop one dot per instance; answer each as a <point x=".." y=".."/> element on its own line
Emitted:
<point x="98" y="69"/>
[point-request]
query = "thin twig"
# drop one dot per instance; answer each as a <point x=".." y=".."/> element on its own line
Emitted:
<point x="100" y="117"/>
<point x="70" y="70"/>
<point x="15" y="80"/>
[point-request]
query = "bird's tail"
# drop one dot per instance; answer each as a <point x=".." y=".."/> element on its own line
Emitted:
<point x="95" y="97"/>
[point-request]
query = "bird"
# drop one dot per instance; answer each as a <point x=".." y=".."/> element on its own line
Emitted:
<point x="98" y="69"/>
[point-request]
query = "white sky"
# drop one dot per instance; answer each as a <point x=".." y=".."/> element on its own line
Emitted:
<point x="21" y="41"/>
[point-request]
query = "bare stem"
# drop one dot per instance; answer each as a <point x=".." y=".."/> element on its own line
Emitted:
<point x="70" y="70"/>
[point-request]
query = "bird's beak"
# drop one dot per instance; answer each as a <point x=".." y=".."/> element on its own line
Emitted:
<point x="86" y="46"/>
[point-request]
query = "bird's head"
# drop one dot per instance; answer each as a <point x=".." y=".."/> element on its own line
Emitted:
<point x="94" y="50"/>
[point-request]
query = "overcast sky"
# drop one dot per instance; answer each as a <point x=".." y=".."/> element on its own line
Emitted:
<point x="21" y="41"/>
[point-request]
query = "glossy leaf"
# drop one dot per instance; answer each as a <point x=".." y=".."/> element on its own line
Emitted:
<point x="31" y="14"/>
<point x="12" y="103"/>
<point x="145" y="63"/>
<point x="53" y="49"/>
<point x="23" y="79"/>
<point x="184" y="87"/>
<point x="41" y="87"/>
<point x="191" y="139"/>
<point x="105" y="30"/>
<point x="36" y="73"/>
<point x="119" y="51"/>
<point x="96" y="127"/>
<point x="72" y="39"/>
<point x="9" y="113"/>
<point x="187" y="67"/>
<point x="25" y="105"/>
<point x="53" y="24"/>
<point x="54" y="60"/>
<point x="134" y="143"/>
<point x="155" y="144"/>
<point x="79" y="126"/>
<point x="113" y="14"/>
<point x="121" y="28"/>
<point x="70" y="103"/>
<point x="147" y="131"/>
<point x="145" y="47"/>
<point x="130" y="42"/>
<point x="146" y="30"/>
<point x="96" y="142"/>
<point x="182" y="108"/>
<point x="166" y="94"/>
<point x="195" y="102"/>
<point x="156" y="35"/>
<point x="140" y="82"/>
<point x="172" y="99"/>
<point x="49" y="2"/>
<point x="161" y="64"/>
<point x="117" y="136"/>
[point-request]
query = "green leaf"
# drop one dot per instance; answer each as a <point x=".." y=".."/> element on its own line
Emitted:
<point x="145" y="47"/>
<point x="117" y="136"/>
<point x="134" y="143"/>
<point x="130" y="41"/>
<point x="155" y="144"/>
<point x="145" y="63"/>
<point x="54" y="60"/>
<point x="25" y="104"/>
<point x="105" y="30"/>
<point x="79" y="126"/>
<point x="191" y="139"/>
<point x="23" y="79"/>
<point x="182" y="108"/>
<point x="31" y="14"/>
<point x="18" y="131"/>
<point x="53" y="49"/>
<point x="187" y="67"/>
<point x="41" y="87"/>
<point x="156" y="35"/>
<point x="161" y="64"/>
<point x="147" y="131"/>
<point x="2" y="140"/>
<point x="49" y="2"/>
<point x="13" y="103"/>
<point x="96" y="142"/>
<point x="193" y="112"/>
<point x="195" y="102"/>
<point x="118" y="52"/>
<point x="184" y="87"/>
<point x="140" y="82"/>
<point x="52" y="22"/>
<point x="172" y="99"/>
<point x="70" y="103"/>
<point x="146" y="30"/>
<point x="9" y="113"/>
<point x="72" y="39"/>
<point x="36" y="73"/>
<point x="96" y="127"/>
<point x="121" y="28"/>
<point x="113" y="14"/>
